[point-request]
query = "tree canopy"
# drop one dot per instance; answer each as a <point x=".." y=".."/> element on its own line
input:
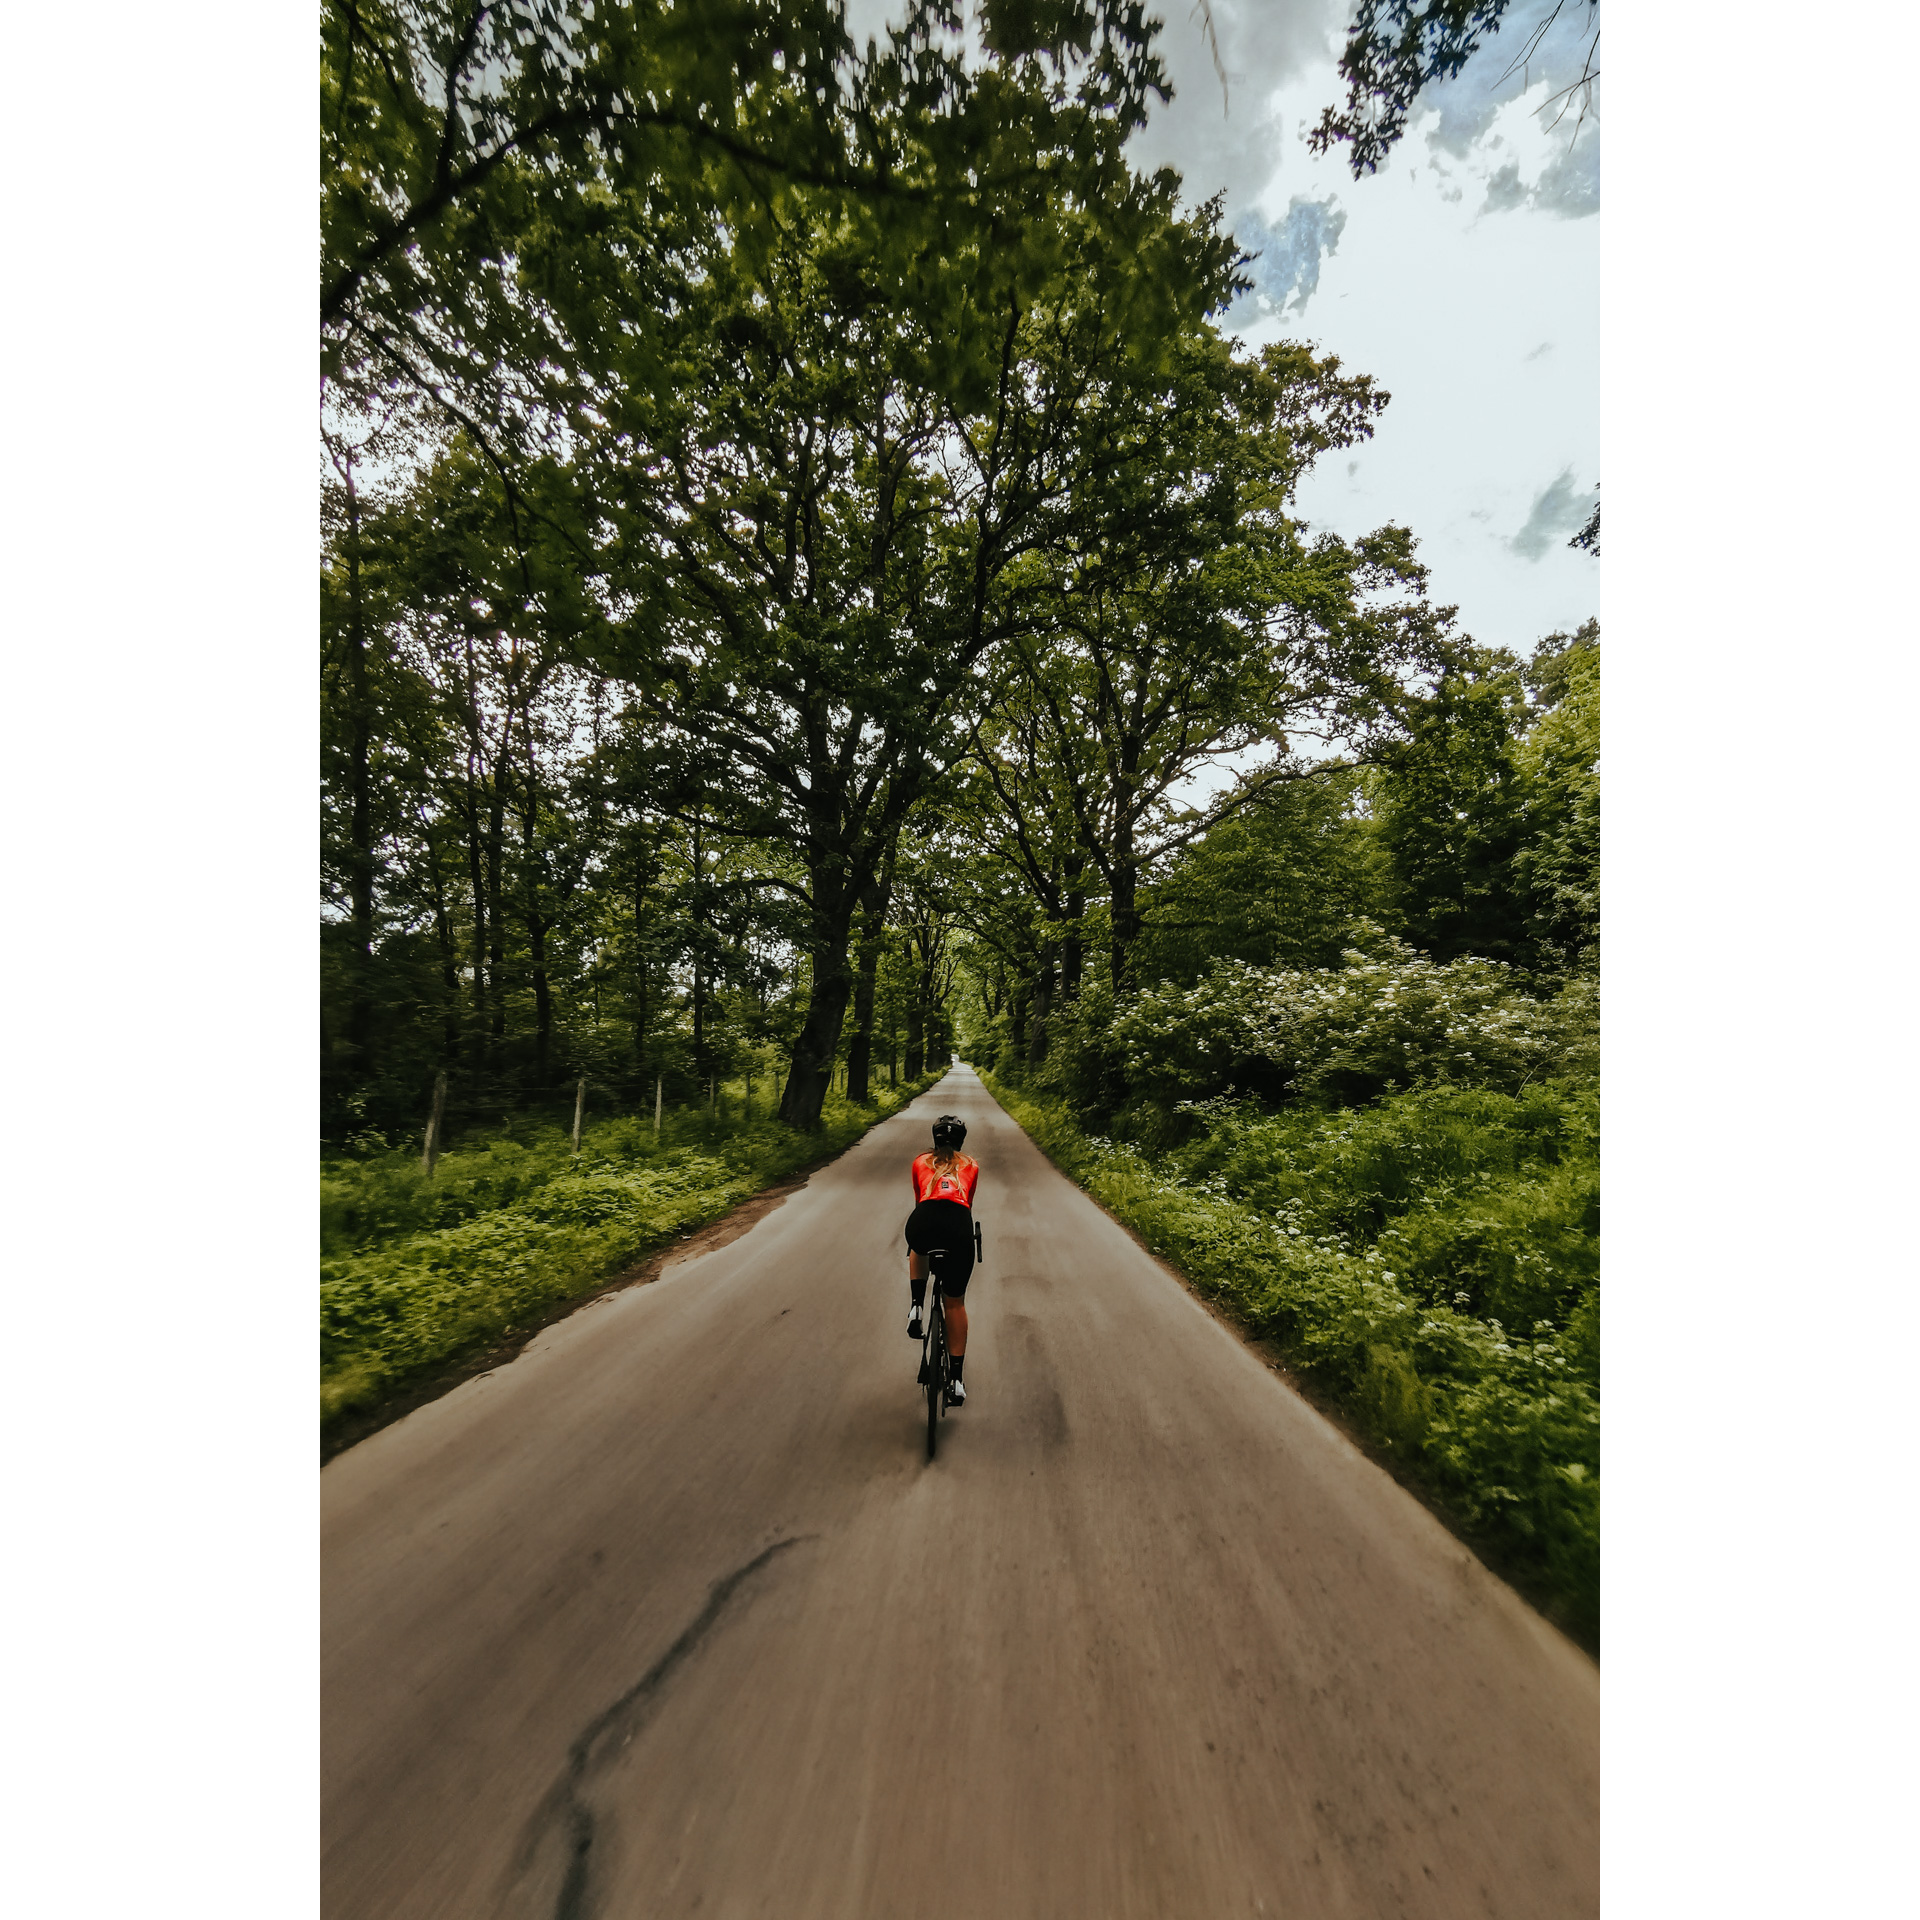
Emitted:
<point x="803" y="568"/>
<point x="1396" y="49"/>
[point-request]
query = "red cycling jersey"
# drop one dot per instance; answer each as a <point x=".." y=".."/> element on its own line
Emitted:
<point x="956" y="1184"/>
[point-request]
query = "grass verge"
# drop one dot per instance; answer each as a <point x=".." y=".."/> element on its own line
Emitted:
<point x="417" y="1275"/>
<point x="1376" y="1250"/>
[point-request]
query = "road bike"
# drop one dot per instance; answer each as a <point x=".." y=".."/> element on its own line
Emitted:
<point x="934" y="1376"/>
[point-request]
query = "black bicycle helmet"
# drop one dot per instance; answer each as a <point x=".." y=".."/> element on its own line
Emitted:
<point x="949" y="1134"/>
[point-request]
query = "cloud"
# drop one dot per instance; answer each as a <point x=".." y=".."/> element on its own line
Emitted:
<point x="1469" y="102"/>
<point x="1568" y="187"/>
<point x="1466" y="107"/>
<point x="1557" y="513"/>
<point x="1504" y="190"/>
<point x="1232" y="137"/>
<point x="1289" y="263"/>
<point x="1569" y="184"/>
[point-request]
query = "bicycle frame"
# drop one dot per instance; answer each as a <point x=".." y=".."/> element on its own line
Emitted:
<point x="933" y="1346"/>
<point x="933" y="1351"/>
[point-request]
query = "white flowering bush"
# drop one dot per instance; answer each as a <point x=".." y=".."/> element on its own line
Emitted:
<point x="1378" y="1024"/>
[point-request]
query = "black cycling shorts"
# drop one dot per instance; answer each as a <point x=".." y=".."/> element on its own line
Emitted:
<point x="945" y="1223"/>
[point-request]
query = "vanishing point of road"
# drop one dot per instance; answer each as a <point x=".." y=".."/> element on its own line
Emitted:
<point x="671" y="1616"/>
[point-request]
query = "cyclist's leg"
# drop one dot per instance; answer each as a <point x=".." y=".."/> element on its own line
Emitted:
<point x="917" y="1287"/>
<point x="959" y="1271"/>
<point x="916" y="1258"/>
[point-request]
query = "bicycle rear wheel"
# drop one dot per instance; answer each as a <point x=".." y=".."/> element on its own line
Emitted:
<point x="936" y="1375"/>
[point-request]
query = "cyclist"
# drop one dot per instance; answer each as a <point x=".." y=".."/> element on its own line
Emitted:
<point x="942" y="1216"/>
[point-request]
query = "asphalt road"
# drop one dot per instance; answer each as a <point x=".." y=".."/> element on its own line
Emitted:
<point x="671" y="1616"/>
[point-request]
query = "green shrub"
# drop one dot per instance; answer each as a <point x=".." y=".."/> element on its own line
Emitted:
<point x="368" y="1200"/>
<point x="416" y="1272"/>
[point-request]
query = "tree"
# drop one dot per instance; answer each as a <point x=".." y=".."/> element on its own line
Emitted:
<point x="1395" y="48"/>
<point x="874" y="908"/>
<point x="1558" y="864"/>
<point x="473" y="154"/>
<point x="1588" y="538"/>
<point x="1284" y="883"/>
<point x="1453" y="815"/>
<point x="810" y="530"/>
<point x="820" y="531"/>
<point x="1025" y="893"/>
<point x="1489" y="815"/>
<point x="443" y="122"/>
<point x="744" y="329"/>
<point x="1192" y="618"/>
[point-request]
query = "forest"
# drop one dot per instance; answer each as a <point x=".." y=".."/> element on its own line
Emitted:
<point x="810" y="586"/>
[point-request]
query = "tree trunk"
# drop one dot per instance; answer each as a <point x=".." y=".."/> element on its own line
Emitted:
<point x="359" y="784"/>
<point x="916" y="1036"/>
<point x="537" y="954"/>
<point x="542" y="997"/>
<point x="642" y="1009"/>
<point x="477" y="881"/>
<point x="538" y="924"/>
<point x="840" y="872"/>
<point x="873" y="928"/>
<point x="699" y="1025"/>
<point x="699" y="972"/>
<point x="431" y="1152"/>
<point x="860" y="1047"/>
<point x="496" y="918"/>
<point x="1124" y="928"/>
<point x="449" y="959"/>
<point x="1042" y="1007"/>
<point x="642" y="874"/>
<point x="1072" y="954"/>
<point x="819" y="1040"/>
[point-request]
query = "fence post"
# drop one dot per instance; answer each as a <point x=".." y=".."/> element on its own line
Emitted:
<point x="431" y="1152"/>
<point x="579" y="1113"/>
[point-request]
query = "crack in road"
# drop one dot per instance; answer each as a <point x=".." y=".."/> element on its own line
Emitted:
<point x="564" y="1813"/>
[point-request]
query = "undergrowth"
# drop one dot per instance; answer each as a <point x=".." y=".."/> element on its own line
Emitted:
<point x="416" y="1272"/>
<point x="1432" y="1262"/>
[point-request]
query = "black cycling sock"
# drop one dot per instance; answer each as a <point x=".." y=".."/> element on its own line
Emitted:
<point x="955" y="1361"/>
<point x="919" y="1288"/>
